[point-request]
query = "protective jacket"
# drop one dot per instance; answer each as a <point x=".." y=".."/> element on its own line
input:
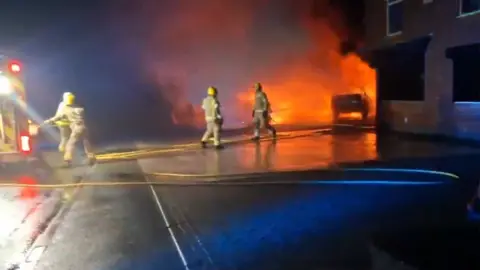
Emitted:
<point x="261" y="102"/>
<point x="62" y="122"/>
<point x="211" y="106"/>
<point x="74" y="114"/>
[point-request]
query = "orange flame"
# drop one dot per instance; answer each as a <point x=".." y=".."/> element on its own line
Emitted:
<point x="233" y="44"/>
<point x="300" y="91"/>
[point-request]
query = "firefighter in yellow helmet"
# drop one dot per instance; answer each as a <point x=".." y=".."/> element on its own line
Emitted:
<point x="261" y="113"/>
<point x="63" y="124"/>
<point x="213" y="118"/>
<point x="75" y="114"/>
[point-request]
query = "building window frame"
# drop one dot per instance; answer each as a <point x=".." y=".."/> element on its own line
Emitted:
<point x="389" y="4"/>
<point x="461" y="14"/>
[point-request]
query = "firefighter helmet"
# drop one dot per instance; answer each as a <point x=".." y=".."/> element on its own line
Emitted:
<point x="212" y="91"/>
<point x="66" y="95"/>
<point x="68" y="98"/>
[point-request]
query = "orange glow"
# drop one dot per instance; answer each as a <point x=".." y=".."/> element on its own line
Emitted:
<point x="300" y="92"/>
<point x="297" y="154"/>
<point x="233" y="44"/>
<point x="351" y="116"/>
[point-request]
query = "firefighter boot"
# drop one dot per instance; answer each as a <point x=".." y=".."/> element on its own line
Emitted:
<point x="218" y="147"/>
<point x="67" y="164"/>
<point x="203" y="144"/>
<point x="274" y="134"/>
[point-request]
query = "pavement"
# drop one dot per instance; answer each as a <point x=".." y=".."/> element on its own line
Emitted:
<point x="280" y="219"/>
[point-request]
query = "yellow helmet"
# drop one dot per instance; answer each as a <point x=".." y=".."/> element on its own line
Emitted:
<point x="258" y="86"/>
<point x="65" y="95"/>
<point x="212" y="91"/>
<point x="68" y="98"/>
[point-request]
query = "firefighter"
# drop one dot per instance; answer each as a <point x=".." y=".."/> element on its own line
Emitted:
<point x="63" y="124"/>
<point x="213" y="118"/>
<point x="261" y="113"/>
<point x="75" y="114"/>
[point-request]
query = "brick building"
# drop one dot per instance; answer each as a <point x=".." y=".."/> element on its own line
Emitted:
<point x="427" y="57"/>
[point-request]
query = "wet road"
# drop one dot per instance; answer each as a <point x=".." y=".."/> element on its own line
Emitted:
<point x="24" y="211"/>
<point x="307" y="225"/>
<point x="318" y="151"/>
<point x="110" y="228"/>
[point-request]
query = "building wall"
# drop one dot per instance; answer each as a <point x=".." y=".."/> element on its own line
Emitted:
<point x="437" y="113"/>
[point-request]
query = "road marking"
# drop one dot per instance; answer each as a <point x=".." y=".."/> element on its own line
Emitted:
<point x="170" y="231"/>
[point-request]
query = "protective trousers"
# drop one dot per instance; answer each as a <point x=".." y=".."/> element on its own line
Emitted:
<point x="79" y="133"/>
<point x="65" y="132"/>
<point x="213" y="129"/>
<point x="262" y="120"/>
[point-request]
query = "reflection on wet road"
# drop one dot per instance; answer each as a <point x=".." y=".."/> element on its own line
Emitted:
<point x="294" y="154"/>
<point x="24" y="210"/>
<point x="291" y="226"/>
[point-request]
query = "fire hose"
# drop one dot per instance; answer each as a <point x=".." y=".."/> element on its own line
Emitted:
<point x="220" y="179"/>
<point x="142" y="153"/>
<point x="175" y="148"/>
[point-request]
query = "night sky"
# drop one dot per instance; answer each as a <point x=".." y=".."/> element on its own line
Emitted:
<point x="98" y="50"/>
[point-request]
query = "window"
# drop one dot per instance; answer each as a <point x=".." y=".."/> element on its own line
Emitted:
<point x="468" y="7"/>
<point x="466" y="67"/>
<point x="402" y="79"/>
<point x="465" y="79"/>
<point x="394" y="17"/>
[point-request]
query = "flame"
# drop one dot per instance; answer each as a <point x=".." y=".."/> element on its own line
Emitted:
<point x="232" y="44"/>
<point x="300" y="91"/>
<point x="351" y="116"/>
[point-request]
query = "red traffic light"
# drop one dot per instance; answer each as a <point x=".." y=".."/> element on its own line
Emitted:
<point x="14" y="67"/>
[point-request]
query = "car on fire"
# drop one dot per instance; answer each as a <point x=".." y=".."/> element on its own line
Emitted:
<point x="351" y="104"/>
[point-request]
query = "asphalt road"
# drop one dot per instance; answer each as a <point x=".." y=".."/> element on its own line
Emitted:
<point x="318" y="151"/>
<point x="25" y="211"/>
<point x="110" y="228"/>
<point x="317" y="221"/>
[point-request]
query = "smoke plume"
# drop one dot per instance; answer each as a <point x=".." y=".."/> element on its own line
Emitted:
<point x="291" y="46"/>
